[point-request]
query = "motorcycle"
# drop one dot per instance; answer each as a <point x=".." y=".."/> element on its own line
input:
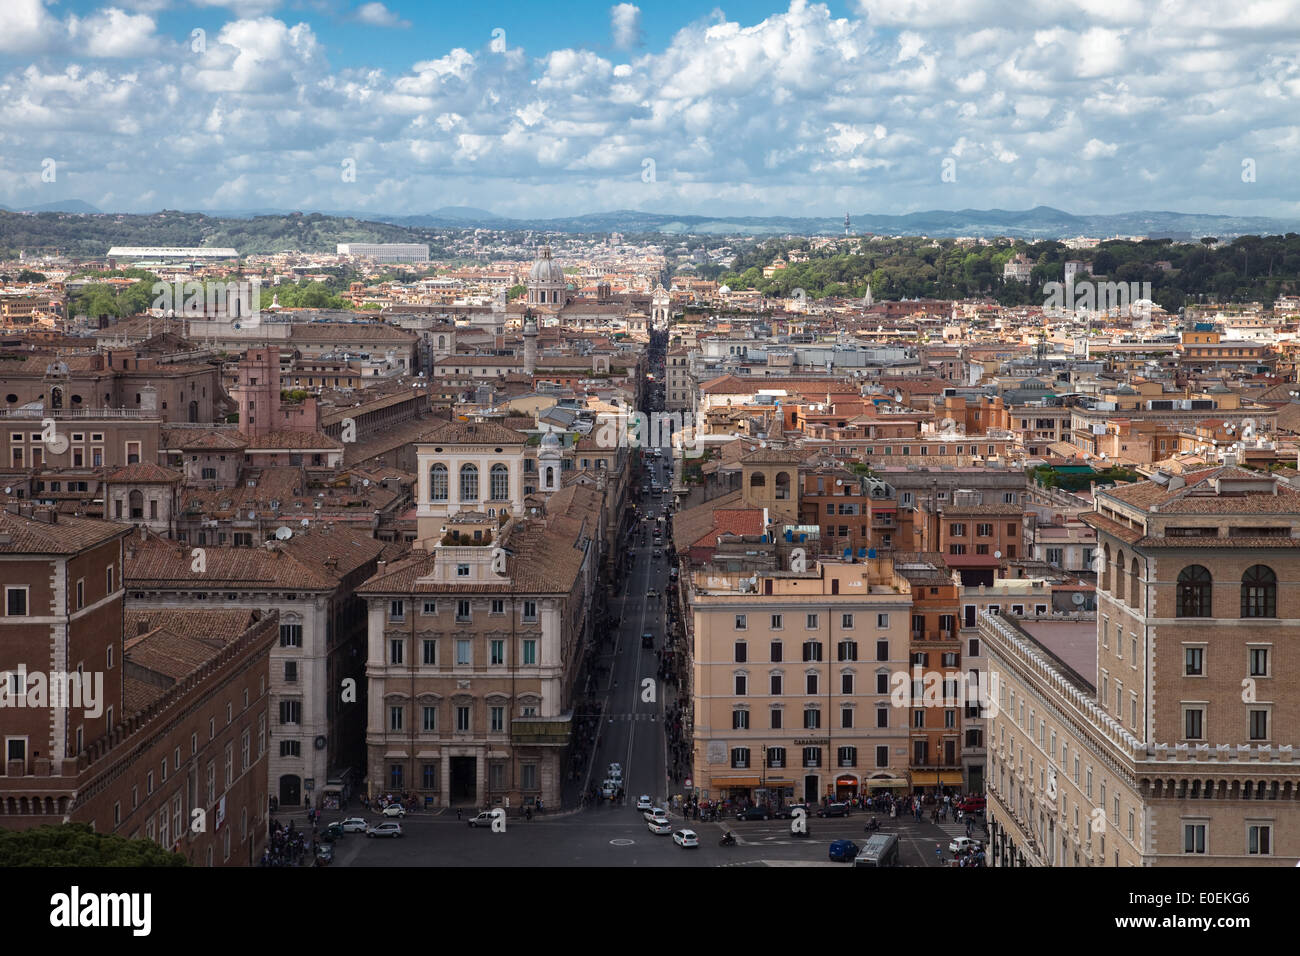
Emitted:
<point x="728" y="839"/>
<point x="872" y="825"/>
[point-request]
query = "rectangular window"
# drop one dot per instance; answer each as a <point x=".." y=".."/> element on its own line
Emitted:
<point x="1259" y="839"/>
<point x="1258" y="724"/>
<point x="498" y="718"/>
<point x="498" y="651"/>
<point x="776" y="622"/>
<point x="740" y="651"/>
<point x="1194" y="661"/>
<point x="775" y="652"/>
<point x="430" y="652"/>
<point x="396" y="648"/>
<point x="430" y="722"/>
<point x="291" y="635"/>
<point x="882" y="621"/>
<point x="530" y="610"/>
<point x="811" y="622"/>
<point x="1193" y="723"/>
<point x="462" y="652"/>
<point x="1194" y="837"/>
<point x="462" y="611"/>
<point x="742" y="684"/>
<point x="430" y="607"/>
<point x="16" y="602"/>
<point x="395" y="718"/>
<point x="462" y="718"/>
<point x="397" y="610"/>
<point x="1259" y="662"/>
<point x="740" y="622"/>
<point x="740" y="720"/>
<point x="530" y="651"/>
<point x="776" y="718"/>
<point x="882" y="650"/>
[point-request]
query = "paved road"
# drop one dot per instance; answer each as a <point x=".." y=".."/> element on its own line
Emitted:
<point x="617" y="836"/>
<point x="632" y="731"/>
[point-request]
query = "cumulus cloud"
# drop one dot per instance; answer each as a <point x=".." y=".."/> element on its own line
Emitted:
<point x="801" y="111"/>
<point x="625" y="25"/>
<point x="378" y="15"/>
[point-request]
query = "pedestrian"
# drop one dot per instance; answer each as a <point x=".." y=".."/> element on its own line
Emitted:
<point x="458" y="814"/>
<point x="938" y="852"/>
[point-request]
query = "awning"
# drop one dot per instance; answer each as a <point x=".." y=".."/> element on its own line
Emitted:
<point x="926" y="778"/>
<point x="893" y="783"/>
<point x="734" y="782"/>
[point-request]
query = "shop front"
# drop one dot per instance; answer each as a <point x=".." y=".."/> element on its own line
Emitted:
<point x="846" y="787"/>
<point x="937" y="782"/>
<point x="735" y="789"/>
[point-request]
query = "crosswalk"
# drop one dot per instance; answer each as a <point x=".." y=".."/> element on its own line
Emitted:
<point x="613" y="717"/>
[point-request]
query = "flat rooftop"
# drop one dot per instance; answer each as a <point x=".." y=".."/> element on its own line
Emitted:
<point x="1074" y="642"/>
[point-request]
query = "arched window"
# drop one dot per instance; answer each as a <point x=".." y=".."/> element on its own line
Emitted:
<point x="1135" y="586"/>
<point x="1194" y="583"/>
<point x="500" y="483"/>
<point x="1118" y="593"/>
<point x="1259" y="592"/>
<point x="1105" y="569"/>
<point x="758" y="480"/>
<point x="782" y="485"/>
<point x="468" y="483"/>
<point x="56" y="398"/>
<point x="438" y="483"/>
<point x="136" y="504"/>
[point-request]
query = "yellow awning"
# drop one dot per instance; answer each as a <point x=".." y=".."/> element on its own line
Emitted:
<point x="892" y="784"/>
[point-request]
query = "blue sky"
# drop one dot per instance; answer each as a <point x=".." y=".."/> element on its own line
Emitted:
<point x="748" y="108"/>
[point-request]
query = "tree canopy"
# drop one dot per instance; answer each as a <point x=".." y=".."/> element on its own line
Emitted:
<point x="77" y="844"/>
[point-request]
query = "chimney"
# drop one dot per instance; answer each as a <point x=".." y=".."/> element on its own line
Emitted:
<point x="144" y="533"/>
<point x="141" y="627"/>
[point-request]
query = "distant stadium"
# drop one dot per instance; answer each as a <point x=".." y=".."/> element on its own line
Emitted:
<point x="172" y="252"/>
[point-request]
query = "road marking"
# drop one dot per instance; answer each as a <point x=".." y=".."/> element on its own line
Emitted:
<point x="621" y="842"/>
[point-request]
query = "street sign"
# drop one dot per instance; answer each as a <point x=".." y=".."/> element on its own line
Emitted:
<point x="690" y="784"/>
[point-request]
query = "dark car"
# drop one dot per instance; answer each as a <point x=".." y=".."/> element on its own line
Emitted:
<point x="754" y="813"/>
<point x="835" y="810"/>
<point x="843" y="851"/>
<point x="647" y="639"/>
<point x="786" y="811"/>
<point x="332" y="832"/>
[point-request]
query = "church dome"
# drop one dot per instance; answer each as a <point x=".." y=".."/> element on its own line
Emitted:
<point x="546" y="269"/>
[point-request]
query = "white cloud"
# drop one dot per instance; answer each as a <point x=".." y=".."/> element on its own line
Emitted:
<point x="785" y="114"/>
<point x="25" y="26"/>
<point x="625" y="25"/>
<point x="115" y="33"/>
<point x="378" y="15"/>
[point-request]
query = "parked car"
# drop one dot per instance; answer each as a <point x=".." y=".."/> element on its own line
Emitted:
<point x="754" y="813"/>
<point x="686" y="838"/>
<point x="483" y="819"/>
<point x="835" y="810"/>
<point x="660" y="828"/>
<point x="647" y="640"/>
<point x="354" y="825"/>
<point x="386" y="829"/>
<point x="394" y="810"/>
<point x="324" y="854"/>
<point x="644" y="803"/>
<point x="843" y="851"/>
<point x="961" y="844"/>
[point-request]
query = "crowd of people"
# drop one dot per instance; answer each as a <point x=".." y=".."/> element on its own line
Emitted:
<point x="286" y="846"/>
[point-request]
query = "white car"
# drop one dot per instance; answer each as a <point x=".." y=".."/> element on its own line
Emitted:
<point x="660" y="829"/>
<point x="354" y="825"/>
<point x="385" y="829"/>
<point x="608" y="789"/>
<point x="686" y="838"/>
<point x="644" y="803"/>
<point x="483" y="819"/>
<point x="394" y="810"/>
<point x="616" y="768"/>
<point x="657" y="813"/>
<point x="960" y="844"/>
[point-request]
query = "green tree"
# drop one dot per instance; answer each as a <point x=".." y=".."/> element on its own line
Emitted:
<point x="77" y="844"/>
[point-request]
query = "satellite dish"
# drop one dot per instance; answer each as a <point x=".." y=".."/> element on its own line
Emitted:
<point x="365" y="482"/>
<point x="304" y="522"/>
<point x="1078" y="598"/>
<point x="997" y="554"/>
<point x="252" y="514"/>
<point x="283" y="533"/>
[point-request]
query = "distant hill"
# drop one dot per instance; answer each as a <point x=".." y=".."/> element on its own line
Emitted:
<point x="76" y="228"/>
<point x="76" y="206"/>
